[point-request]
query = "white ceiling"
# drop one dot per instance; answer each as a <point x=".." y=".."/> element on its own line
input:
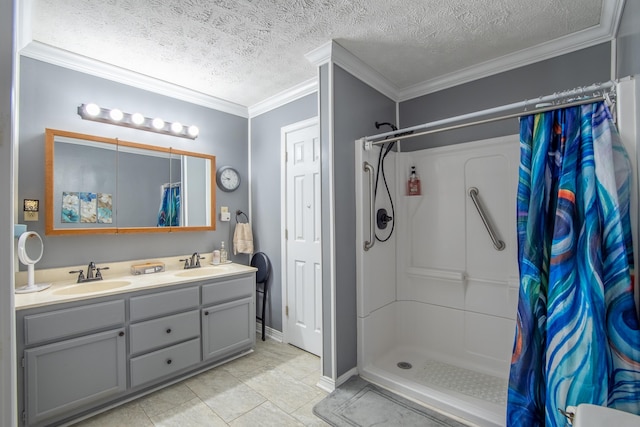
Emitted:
<point x="245" y="51"/>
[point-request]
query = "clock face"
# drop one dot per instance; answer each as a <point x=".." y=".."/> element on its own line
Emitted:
<point x="228" y="178"/>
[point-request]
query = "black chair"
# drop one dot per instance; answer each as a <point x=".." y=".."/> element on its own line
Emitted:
<point x="262" y="263"/>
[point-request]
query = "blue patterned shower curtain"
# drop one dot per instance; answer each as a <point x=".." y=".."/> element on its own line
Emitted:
<point x="169" y="213"/>
<point x="577" y="334"/>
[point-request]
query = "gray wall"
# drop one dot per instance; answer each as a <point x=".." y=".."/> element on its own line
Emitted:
<point x="580" y="68"/>
<point x="8" y="405"/>
<point x="357" y="107"/>
<point x="265" y="191"/>
<point x="49" y="97"/>
<point x="628" y="41"/>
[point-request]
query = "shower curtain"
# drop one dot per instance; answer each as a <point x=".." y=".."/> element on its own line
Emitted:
<point x="169" y="213"/>
<point x="577" y="335"/>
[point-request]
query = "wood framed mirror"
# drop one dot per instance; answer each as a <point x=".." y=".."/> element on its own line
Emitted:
<point x="99" y="185"/>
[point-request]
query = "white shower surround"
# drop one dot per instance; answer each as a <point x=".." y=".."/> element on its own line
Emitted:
<point x="449" y="296"/>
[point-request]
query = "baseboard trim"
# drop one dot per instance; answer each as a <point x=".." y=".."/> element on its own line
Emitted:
<point x="326" y="384"/>
<point x="271" y="333"/>
<point x="344" y="377"/>
<point x="329" y="385"/>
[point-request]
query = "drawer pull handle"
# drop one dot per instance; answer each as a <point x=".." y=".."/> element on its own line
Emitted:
<point x="169" y="361"/>
<point x="206" y="313"/>
<point x="121" y="334"/>
<point x="168" y="330"/>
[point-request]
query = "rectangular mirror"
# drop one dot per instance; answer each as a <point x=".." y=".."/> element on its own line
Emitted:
<point x="103" y="185"/>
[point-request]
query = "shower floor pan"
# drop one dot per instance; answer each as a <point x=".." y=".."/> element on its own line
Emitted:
<point x="469" y="395"/>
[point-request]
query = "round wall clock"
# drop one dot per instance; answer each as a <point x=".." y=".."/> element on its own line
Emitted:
<point x="228" y="178"/>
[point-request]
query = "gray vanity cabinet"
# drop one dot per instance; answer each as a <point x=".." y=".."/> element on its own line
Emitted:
<point x="67" y="374"/>
<point x="227" y="328"/>
<point x="73" y="373"/>
<point x="167" y="323"/>
<point x="228" y="317"/>
<point x="80" y="356"/>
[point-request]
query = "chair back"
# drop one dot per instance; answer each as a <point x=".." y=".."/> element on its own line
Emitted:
<point x="261" y="261"/>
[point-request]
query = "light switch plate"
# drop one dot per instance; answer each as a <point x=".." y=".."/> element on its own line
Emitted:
<point x="224" y="209"/>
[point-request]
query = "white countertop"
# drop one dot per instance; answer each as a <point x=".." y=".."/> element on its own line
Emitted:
<point x="65" y="289"/>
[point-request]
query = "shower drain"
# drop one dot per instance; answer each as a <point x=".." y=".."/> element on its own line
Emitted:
<point x="404" y="365"/>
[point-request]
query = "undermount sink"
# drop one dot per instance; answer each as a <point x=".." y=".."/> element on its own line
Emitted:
<point x="83" y="288"/>
<point x="196" y="272"/>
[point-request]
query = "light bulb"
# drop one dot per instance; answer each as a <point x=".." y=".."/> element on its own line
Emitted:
<point x="193" y="131"/>
<point x="176" y="127"/>
<point x="137" y="119"/>
<point x="116" y="115"/>
<point x="157" y="123"/>
<point x="92" y="109"/>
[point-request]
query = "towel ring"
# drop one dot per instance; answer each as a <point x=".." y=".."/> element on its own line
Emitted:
<point x="238" y="213"/>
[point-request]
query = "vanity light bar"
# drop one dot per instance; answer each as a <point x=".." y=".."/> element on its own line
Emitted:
<point x="136" y="121"/>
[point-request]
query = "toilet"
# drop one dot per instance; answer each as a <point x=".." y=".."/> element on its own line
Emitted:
<point x="586" y="415"/>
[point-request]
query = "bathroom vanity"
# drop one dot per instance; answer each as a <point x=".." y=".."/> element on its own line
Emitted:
<point x="79" y="352"/>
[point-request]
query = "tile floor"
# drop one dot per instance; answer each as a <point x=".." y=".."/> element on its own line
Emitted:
<point x="273" y="386"/>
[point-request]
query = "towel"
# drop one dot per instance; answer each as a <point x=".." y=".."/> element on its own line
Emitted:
<point x="243" y="239"/>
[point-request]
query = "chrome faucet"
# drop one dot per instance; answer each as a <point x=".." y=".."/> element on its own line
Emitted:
<point x="90" y="269"/>
<point x="91" y="277"/>
<point x="193" y="262"/>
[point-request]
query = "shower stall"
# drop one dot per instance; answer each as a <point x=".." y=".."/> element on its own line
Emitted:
<point x="437" y="301"/>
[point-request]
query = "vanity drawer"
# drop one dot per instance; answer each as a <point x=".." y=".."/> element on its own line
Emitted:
<point x="228" y="290"/>
<point x="164" y="331"/>
<point x="161" y="363"/>
<point x="161" y="303"/>
<point x="72" y="321"/>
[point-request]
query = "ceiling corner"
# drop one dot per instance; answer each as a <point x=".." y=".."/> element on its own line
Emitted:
<point x="612" y="15"/>
<point x="24" y="18"/>
<point x="320" y="55"/>
<point x="332" y="51"/>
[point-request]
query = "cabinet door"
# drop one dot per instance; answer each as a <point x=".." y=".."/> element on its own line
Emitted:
<point x="67" y="375"/>
<point x="228" y="328"/>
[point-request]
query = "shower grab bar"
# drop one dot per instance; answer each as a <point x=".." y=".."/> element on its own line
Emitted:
<point x="497" y="243"/>
<point x="368" y="244"/>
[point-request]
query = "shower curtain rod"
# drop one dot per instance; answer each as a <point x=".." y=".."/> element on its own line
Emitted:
<point x="369" y="141"/>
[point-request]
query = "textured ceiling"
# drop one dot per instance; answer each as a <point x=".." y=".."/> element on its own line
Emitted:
<point x="245" y="51"/>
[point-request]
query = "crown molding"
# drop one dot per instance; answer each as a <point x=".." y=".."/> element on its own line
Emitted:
<point x="23" y="24"/>
<point x="332" y="51"/>
<point x="601" y="33"/>
<point x="298" y="91"/>
<point x="612" y="13"/>
<point x="320" y="55"/>
<point x="72" y="61"/>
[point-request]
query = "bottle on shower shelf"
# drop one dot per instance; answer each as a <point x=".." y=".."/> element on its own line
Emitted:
<point x="223" y="254"/>
<point x="413" y="185"/>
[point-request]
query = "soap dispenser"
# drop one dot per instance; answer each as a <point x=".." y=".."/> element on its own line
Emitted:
<point x="223" y="254"/>
<point x="413" y="185"/>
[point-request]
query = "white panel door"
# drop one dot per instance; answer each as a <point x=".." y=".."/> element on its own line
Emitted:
<point x="304" y="250"/>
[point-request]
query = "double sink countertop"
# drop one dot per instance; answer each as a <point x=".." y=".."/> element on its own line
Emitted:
<point x="118" y="279"/>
